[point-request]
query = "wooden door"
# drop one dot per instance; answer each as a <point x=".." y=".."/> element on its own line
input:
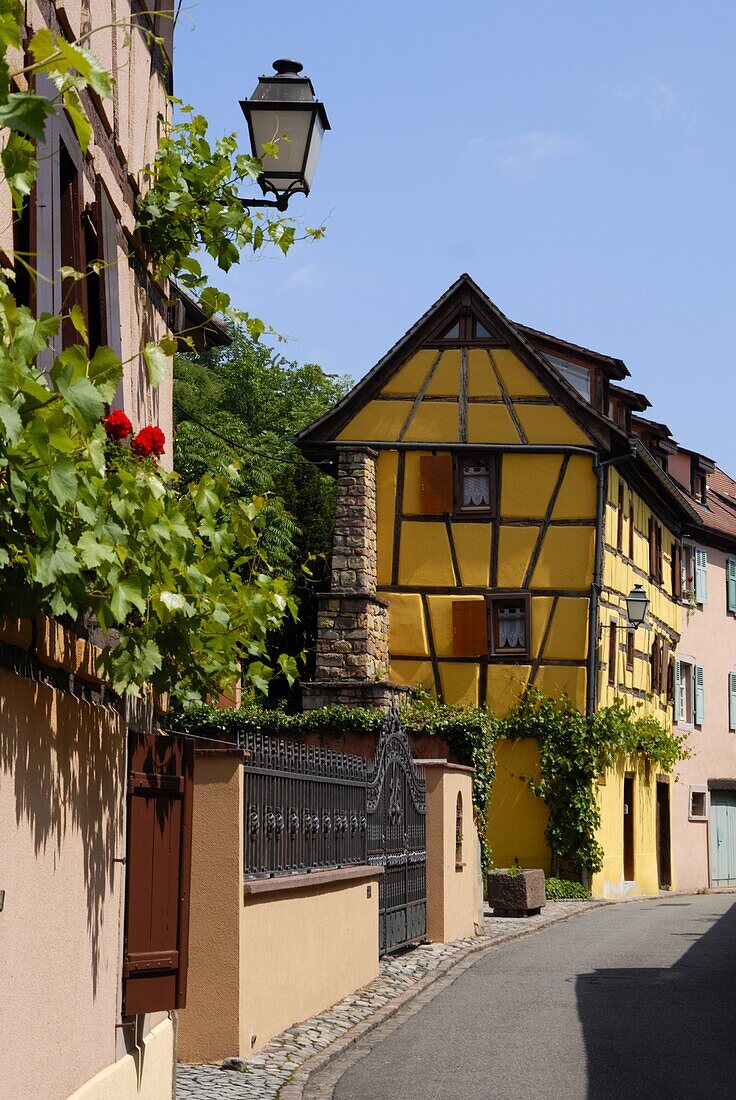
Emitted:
<point x="723" y="837"/>
<point x="159" y="849"/>
<point x="629" y="828"/>
<point x="664" y="858"/>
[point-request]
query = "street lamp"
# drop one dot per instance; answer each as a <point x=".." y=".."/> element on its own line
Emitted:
<point x="637" y="603"/>
<point x="283" y="109"/>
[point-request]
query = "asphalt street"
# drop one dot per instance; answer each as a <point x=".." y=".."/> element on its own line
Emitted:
<point x="626" y="1001"/>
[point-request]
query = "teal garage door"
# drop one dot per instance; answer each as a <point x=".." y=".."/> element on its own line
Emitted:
<point x="723" y="837"/>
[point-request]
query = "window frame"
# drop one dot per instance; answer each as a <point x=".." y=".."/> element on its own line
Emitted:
<point x="474" y="514"/>
<point x="493" y="599"/>
<point x="698" y="789"/>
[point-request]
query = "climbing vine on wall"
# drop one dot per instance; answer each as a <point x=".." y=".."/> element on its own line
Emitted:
<point x="574" y="752"/>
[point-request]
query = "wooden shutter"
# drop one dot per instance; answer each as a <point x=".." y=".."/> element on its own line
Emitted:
<point x="658" y="552"/>
<point x="631" y="528"/>
<point x="731" y="583"/>
<point x="732" y="700"/>
<point x="435" y="473"/>
<point x="73" y="254"/>
<point x="676" y="570"/>
<point x="159" y="849"/>
<point x="469" y="628"/>
<point x="699" y="695"/>
<point x="701" y="575"/>
<point x="652" y="551"/>
<point x="671" y="682"/>
<point x="664" y="665"/>
<point x="678" y="692"/>
<point x="612" y="651"/>
<point x="620" y="524"/>
<point x="656" y="663"/>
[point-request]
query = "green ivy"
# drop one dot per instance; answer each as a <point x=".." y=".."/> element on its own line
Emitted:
<point x="574" y="751"/>
<point x="562" y="889"/>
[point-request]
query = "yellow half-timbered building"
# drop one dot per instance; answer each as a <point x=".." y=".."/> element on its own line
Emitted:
<point x="495" y="507"/>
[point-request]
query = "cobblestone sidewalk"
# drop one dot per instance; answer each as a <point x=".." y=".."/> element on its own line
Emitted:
<point x="263" y="1075"/>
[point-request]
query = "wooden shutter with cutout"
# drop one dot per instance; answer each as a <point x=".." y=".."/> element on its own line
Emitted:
<point x="436" y="484"/>
<point x="469" y="628"/>
<point x="159" y="853"/>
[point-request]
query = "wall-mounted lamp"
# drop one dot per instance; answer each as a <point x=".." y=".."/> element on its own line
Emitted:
<point x="284" y="109"/>
<point x="637" y="603"/>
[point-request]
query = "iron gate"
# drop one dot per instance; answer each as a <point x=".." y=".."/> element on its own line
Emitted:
<point x="397" y="814"/>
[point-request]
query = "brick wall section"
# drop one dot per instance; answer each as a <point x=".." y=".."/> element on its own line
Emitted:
<point x="354" y="546"/>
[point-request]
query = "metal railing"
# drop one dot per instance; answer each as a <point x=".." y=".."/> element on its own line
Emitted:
<point x="305" y="808"/>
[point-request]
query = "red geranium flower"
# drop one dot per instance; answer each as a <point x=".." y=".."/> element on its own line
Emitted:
<point x="149" y="441"/>
<point x="117" y="425"/>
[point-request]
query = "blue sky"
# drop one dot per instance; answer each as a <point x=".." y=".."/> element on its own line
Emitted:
<point x="576" y="158"/>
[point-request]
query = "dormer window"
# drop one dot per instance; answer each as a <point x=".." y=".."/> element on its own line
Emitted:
<point x="465" y="328"/>
<point x="577" y="376"/>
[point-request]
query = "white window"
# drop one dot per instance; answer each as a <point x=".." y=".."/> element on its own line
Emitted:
<point x="577" y="376"/>
<point x="689" y="700"/>
<point x="698" y="804"/>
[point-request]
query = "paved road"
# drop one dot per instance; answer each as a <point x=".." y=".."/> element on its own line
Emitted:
<point x="627" y="1001"/>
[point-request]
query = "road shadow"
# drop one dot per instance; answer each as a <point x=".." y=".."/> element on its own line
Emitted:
<point x="665" y="1032"/>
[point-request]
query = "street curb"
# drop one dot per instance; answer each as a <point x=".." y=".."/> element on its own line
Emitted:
<point x="405" y="1005"/>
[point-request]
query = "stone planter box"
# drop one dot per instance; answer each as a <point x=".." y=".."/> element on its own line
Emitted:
<point x="517" y="895"/>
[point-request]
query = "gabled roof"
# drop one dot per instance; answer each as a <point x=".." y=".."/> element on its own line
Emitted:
<point x="634" y="400"/>
<point x="465" y="291"/>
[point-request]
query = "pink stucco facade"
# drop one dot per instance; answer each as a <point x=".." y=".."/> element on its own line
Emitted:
<point x="708" y="640"/>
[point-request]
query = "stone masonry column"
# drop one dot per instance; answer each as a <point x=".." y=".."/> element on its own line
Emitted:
<point x="352" y="656"/>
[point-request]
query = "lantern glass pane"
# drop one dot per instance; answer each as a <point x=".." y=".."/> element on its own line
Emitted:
<point x="313" y="152"/>
<point x="282" y="124"/>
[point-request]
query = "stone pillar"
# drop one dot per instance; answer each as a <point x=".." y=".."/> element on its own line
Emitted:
<point x="352" y="620"/>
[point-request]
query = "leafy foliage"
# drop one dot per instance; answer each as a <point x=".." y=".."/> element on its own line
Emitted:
<point x="563" y="889"/>
<point x="574" y="752"/>
<point x="179" y="577"/>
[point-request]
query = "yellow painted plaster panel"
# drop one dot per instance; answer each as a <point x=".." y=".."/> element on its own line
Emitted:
<point x="558" y="679"/>
<point x="514" y="554"/>
<point x="482" y="381"/>
<point x="541" y="607"/>
<point x="413" y="674"/>
<point x="385" y="507"/>
<point x="505" y="685"/>
<point x="378" y="420"/>
<point x="412" y="501"/>
<point x="440" y="612"/>
<point x="550" y="424"/>
<point x="576" y="498"/>
<point x="491" y="424"/>
<point x="473" y="550"/>
<point x="406" y="629"/>
<point x="517" y="818"/>
<point x="527" y="482"/>
<point x="566" y="558"/>
<point x="610" y="881"/>
<point x="446" y="378"/>
<point x="424" y="557"/>
<point x="434" y="422"/>
<point x="517" y="379"/>
<point x="460" y="683"/>
<point x="568" y="637"/>
<point x="410" y="377"/>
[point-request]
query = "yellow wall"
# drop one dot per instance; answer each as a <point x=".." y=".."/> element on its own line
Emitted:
<point x="610" y="881"/>
<point x="516" y="818"/>
<point x="146" y="1075"/>
<point x="452" y="888"/>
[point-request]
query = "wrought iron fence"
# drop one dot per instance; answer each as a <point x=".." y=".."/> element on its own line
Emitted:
<point x="305" y="807"/>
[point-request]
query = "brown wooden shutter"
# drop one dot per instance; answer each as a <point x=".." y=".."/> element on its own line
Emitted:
<point x="631" y="529"/>
<point x="620" y="525"/>
<point x="159" y="851"/>
<point x="612" y="652"/>
<point x="74" y="292"/>
<point x="664" y="667"/>
<point x="658" y="553"/>
<point x="656" y="664"/>
<point x="676" y="570"/>
<point x="469" y="628"/>
<point x="436" y="484"/>
<point x="652" y="551"/>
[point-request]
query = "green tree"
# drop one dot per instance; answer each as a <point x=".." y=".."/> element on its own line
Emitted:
<point x="246" y="402"/>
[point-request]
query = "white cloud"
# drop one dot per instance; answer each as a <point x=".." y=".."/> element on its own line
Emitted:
<point x="523" y="154"/>
<point x="306" y="277"/>
<point x="472" y="145"/>
<point x="655" y="97"/>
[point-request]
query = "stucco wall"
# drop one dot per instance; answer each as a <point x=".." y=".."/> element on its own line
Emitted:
<point x="209" y="1025"/>
<point x="452" y="887"/>
<point x="145" y="1074"/>
<point x="708" y="637"/>
<point x="61" y="831"/>
<point x="610" y="881"/>
<point x="259" y="962"/>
